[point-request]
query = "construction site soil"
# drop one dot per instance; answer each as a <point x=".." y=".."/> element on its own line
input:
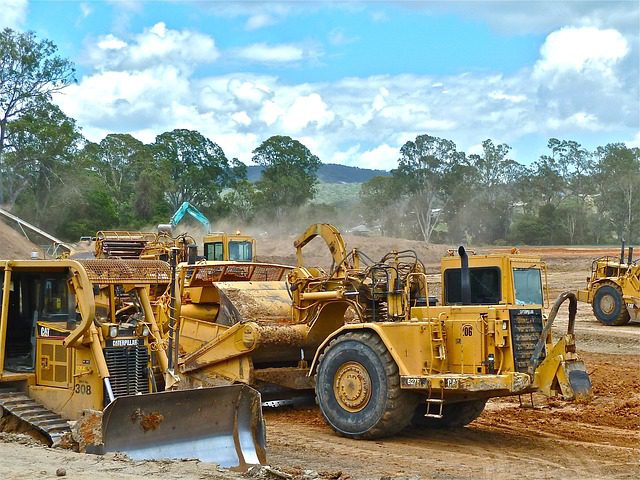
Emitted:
<point x="525" y="438"/>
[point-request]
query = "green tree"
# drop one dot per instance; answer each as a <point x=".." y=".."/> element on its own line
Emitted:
<point x="85" y="209"/>
<point x="30" y="71"/>
<point x="241" y="201"/>
<point x="496" y="194"/>
<point x="125" y="163"/>
<point x="380" y="199"/>
<point x="424" y="168"/>
<point x="197" y="168"/>
<point x="288" y="177"/>
<point x="618" y="179"/>
<point x="576" y="168"/>
<point x="45" y="143"/>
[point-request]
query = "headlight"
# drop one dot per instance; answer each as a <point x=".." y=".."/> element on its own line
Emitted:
<point x="113" y="331"/>
<point x="505" y="325"/>
<point x="145" y="331"/>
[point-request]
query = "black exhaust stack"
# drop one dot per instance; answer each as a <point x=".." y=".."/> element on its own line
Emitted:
<point x="465" y="279"/>
<point x="622" y="252"/>
<point x="630" y="258"/>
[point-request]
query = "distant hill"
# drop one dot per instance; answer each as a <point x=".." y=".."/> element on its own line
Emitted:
<point x="330" y="173"/>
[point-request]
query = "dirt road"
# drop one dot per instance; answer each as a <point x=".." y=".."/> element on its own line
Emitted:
<point x="552" y="439"/>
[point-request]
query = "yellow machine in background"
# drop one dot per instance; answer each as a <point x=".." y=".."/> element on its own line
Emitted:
<point x="78" y="335"/>
<point x="613" y="289"/>
<point x="366" y="338"/>
<point x="219" y="246"/>
<point x="143" y="245"/>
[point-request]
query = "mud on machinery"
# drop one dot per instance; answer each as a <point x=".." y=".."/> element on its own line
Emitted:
<point x="83" y="335"/>
<point x="366" y="338"/>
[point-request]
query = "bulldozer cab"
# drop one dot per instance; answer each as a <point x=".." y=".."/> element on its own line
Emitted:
<point x="39" y="309"/>
<point x="220" y="246"/>
<point x="494" y="280"/>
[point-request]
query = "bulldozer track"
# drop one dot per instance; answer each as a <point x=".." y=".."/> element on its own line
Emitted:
<point x="52" y="425"/>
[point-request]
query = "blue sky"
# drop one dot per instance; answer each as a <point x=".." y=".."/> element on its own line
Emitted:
<point x="352" y="80"/>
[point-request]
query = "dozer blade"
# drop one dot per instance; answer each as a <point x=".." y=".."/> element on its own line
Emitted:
<point x="222" y="425"/>
<point x="578" y="379"/>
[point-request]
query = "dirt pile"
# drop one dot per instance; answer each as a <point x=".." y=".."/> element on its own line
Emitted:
<point x="13" y="244"/>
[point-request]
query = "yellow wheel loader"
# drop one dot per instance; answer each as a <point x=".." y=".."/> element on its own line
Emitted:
<point x="365" y="336"/>
<point x="79" y="336"/>
<point x="613" y="289"/>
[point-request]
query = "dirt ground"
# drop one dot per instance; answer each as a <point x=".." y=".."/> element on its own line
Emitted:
<point x="527" y="438"/>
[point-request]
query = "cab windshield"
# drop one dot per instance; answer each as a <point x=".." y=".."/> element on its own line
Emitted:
<point x="528" y="286"/>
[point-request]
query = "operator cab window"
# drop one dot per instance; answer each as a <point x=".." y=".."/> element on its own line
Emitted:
<point x="240" y="251"/>
<point x="485" y="286"/>
<point x="33" y="297"/>
<point x="214" y="251"/>
<point x="528" y="285"/>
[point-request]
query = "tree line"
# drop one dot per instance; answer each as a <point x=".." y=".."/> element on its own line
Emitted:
<point x="570" y="195"/>
<point x="53" y="176"/>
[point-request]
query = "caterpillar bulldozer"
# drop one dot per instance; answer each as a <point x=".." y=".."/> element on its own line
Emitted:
<point x="613" y="289"/>
<point x="365" y="337"/>
<point x="87" y="335"/>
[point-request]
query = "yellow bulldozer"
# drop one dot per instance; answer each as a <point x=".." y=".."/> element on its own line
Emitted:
<point x="86" y="335"/>
<point x="613" y="289"/>
<point x="366" y="338"/>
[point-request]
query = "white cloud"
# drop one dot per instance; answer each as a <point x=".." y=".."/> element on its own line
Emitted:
<point x="522" y="17"/>
<point x="262" y="52"/>
<point x="270" y="113"/>
<point x="305" y="110"/>
<point x="259" y="20"/>
<point x="155" y="45"/>
<point x="110" y="42"/>
<point x="380" y="157"/>
<point x="339" y="37"/>
<point x="14" y="13"/>
<point x="582" y="48"/>
<point x="579" y="119"/>
<point x="85" y="9"/>
<point x="498" y="95"/>
<point x="241" y="118"/>
<point x="635" y="141"/>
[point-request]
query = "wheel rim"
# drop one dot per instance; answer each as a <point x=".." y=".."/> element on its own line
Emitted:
<point x="352" y="386"/>
<point x="607" y="304"/>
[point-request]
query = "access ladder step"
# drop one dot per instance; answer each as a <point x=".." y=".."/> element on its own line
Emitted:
<point x="33" y="413"/>
<point x="433" y="415"/>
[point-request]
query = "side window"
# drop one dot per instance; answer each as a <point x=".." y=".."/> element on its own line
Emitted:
<point x="214" y="251"/>
<point x="528" y="286"/>
<point x="485" y="286"/>
<point x="56" y="302"/>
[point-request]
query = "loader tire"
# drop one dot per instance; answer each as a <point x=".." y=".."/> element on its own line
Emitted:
<point x="454" y="415"/>
<point x="608" y="305"/>
<point x="358" y="388"/>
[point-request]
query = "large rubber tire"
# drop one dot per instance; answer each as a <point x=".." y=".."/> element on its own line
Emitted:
<point x="454" y="415"/>
<point x="358" y="388"/>
<point x="608" y="305"/>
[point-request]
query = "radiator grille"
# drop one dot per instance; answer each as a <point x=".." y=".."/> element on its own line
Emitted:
<point x="128" y="369"/>
<point x="526" y="326"/>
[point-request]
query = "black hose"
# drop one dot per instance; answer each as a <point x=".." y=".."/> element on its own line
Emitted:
<point x="573" y="309"/>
